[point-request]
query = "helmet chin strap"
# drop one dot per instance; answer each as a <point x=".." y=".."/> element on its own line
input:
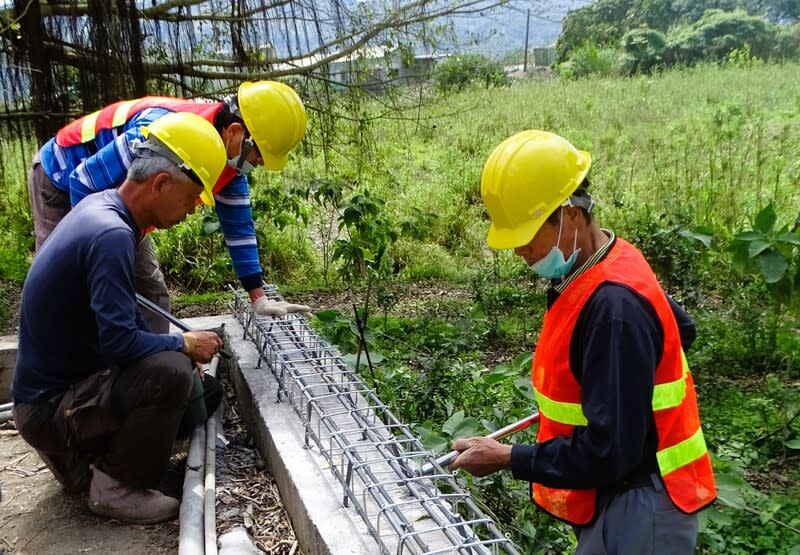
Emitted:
<point x="244" y="148"/>
<point x="561" y="225"/>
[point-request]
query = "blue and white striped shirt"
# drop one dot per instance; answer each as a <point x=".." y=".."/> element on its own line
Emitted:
<point x="83" y="169"/>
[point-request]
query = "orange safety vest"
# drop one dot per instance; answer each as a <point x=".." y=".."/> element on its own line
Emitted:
<point x="683" y="459"/>
<point x="86" y="128"/>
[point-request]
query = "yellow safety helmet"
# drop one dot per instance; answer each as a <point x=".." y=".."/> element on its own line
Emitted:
<point x="193" y="144"/>
<point x="275" y="117"/>
<point x="524" y="180"/>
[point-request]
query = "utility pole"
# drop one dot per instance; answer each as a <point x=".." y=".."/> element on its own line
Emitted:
<point x="527" y="30"/>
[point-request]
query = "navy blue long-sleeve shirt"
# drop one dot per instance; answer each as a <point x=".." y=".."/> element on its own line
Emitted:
<point x="614" y="351"/>
<point x="78" y="314"/>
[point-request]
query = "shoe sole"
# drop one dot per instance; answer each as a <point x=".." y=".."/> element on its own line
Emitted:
<point x="111" y="514"/>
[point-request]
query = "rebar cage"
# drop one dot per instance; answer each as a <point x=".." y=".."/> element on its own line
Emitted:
<point x="375" y="457"/>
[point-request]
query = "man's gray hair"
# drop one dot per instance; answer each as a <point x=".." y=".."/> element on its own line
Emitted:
<point x="144" y="167"/>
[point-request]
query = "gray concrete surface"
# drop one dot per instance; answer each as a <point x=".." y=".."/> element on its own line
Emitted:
<point x="8" y="357"/>
<point x="308" y="491"/>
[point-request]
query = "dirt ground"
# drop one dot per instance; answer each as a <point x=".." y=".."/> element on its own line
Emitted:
<point x="37" y="517"/>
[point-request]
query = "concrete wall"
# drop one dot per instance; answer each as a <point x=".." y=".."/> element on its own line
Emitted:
<point x="8" y="358"/>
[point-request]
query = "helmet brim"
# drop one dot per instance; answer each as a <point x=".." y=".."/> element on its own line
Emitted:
<point x="207" y="197"/>
<point x="504" y="239"/>
<point x="274" y="163"/>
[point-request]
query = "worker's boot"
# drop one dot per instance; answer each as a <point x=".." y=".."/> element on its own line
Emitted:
<point x="110" y="497"/>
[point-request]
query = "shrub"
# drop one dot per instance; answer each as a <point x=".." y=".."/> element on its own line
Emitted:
<point x="716" y="34"/>
<point x="644" y="48"/>
<point x="457" y="72"/>
<point x="590" y="59"/>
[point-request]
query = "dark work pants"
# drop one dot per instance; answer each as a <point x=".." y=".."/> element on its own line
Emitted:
<point x="49" y="205"/>
<point x="123" y="421"/>
<point x="642" y="521"/>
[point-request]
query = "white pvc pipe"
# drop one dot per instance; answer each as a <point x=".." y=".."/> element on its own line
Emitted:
<point x="209" y="510"/>
<point x="190" y="537"/>
<point x="210" y="493"/>
<point x="5" y="416"/>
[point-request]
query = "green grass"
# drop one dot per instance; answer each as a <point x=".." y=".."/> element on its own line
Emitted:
<point x="707" y="146"/>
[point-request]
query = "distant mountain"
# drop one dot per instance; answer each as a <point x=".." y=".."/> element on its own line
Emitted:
<point x="502" y="29"/>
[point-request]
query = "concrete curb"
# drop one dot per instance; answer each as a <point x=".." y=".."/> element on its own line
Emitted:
<point x="311" y="497"/>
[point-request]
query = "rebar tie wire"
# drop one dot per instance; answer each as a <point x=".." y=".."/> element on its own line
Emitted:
<point x="372" y="454"/>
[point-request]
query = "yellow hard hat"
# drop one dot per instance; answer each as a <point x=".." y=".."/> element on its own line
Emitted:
<point x="275" y="117"/>
<point x="524" y="180"/>
<point x="193" y="144"/>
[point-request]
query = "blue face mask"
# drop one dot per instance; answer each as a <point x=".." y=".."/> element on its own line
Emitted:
<point x="553" y="265"/>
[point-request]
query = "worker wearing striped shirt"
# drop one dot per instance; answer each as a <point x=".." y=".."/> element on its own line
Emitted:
<point x="258" y="126"/>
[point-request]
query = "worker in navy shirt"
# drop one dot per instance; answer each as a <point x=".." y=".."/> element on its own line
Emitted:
<point x="96" y="393"/>
<point x="620" y="452"/>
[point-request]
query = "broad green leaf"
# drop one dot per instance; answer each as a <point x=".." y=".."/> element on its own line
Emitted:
<point x="791" y="238"/>
<point x="729" y="490"/>
<point x="525" y="388"/>
<point x="376" y="358"/>
<point x="210" y="227"/>
<point x="329" y="315"/>
<point x="795" y="550"/>
<point x="718" y="517"/>
<point x="695" y="234"/>
<point x="350" y="360"/>
<point x="748" y="236"/>
<point x="523" y="362"/>
<point x="495" y="378"/>
<point x="773" y="265"/>
<point x="433" y="441"/>
<point x="793" y="444"/>
<point x="767" y="514"/>
<point x="757" y="247"/>
<point x="452" y="422"/>
<point x="468" y="427"/>
<point x="765" y="220"/>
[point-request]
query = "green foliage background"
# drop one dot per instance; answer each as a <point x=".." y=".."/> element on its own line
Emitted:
<point x="688" y="164"/>
<point x="633" y="36"/>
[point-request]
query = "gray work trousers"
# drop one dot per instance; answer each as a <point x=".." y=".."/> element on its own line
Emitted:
<point x="49" y="205"/>
<point x="641" y="521"/>
<point x="124" y="421"/>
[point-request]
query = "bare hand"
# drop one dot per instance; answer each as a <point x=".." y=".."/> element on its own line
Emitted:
<point x="481" y="456"/>
<point x="201" y="346"/>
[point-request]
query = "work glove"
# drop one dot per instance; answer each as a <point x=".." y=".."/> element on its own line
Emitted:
<point x="266" y="307"/>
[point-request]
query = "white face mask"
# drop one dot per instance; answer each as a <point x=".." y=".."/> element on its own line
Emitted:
<point x="553" y="265"/>
<point x="239" y="162"/>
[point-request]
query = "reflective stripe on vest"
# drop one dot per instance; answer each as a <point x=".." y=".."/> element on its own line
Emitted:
<point x="87" y="127"/>
<point x="665" y="396"/>
<point x="563" y="413"/>
<point x="121" y="113"/>
<point x="681" y="454"/>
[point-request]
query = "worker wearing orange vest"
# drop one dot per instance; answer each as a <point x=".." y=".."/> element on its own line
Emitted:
<point x="620" y="453"/>
<point x="258" y="126"/>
